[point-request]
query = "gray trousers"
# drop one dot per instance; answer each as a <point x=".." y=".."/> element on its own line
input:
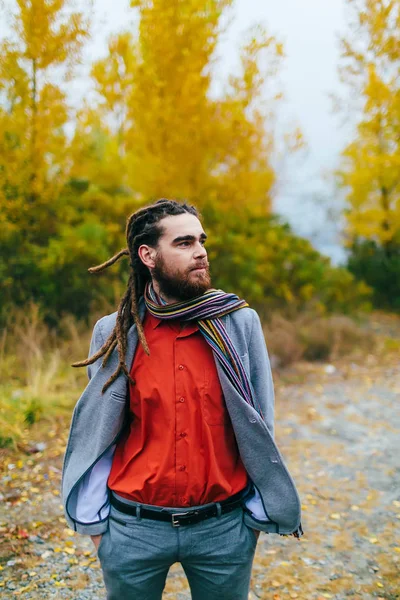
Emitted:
<point x="216" y="554"/>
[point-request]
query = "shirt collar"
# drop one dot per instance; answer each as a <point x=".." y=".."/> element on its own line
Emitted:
<point x="156" y="321"/>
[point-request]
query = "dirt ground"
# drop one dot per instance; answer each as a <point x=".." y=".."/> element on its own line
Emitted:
<point x="337" y="427"/>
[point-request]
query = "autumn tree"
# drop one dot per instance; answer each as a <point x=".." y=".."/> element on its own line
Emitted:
<point x="34" y="108"/>
<point x="370" y="169"/>
<point x="171" y="134"/>
<point x="37" y="57"/>
<point x="158" y="129"/>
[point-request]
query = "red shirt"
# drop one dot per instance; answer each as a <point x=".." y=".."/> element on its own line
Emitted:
<point x="180" y="449"/>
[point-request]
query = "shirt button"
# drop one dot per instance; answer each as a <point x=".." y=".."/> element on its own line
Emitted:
<point x="182" y="468"/>
<point x="182" y="434"/>
<point x="182" y="399"/>
<point x="181" y="367"/>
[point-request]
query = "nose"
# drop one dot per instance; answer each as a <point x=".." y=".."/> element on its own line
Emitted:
<point x="200" y="251"/>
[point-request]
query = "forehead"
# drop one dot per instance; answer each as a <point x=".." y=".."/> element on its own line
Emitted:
<point x="177" y="225"/>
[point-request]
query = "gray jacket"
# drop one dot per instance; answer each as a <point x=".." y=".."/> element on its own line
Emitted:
<point x="99" y="419"/>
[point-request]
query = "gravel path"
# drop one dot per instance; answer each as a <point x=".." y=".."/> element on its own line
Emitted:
<point x="338" y="429"/>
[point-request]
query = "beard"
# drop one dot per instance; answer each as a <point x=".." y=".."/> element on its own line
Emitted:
<point x="180" y="285"/>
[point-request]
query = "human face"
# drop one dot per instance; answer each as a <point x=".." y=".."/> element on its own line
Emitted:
<point x="180" y="268"/>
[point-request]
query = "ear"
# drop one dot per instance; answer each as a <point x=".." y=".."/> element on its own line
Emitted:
<point x="147" y="255"/>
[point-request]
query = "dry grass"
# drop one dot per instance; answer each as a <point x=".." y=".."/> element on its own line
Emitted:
<point x="38" y="383"/>
<point x="37" y="380"/>
<point x="312" y="338"/>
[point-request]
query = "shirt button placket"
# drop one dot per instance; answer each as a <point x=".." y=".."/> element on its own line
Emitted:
<point x="181" y="419"/>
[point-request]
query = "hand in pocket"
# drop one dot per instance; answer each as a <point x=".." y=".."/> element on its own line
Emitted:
<point x="96" y="539"/>
<point x="257" y="533"/>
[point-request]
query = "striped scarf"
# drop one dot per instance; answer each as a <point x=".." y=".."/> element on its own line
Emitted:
<point x="207" y="310"/>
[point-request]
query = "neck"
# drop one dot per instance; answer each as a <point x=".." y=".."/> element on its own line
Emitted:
<point x="167" y="299"/>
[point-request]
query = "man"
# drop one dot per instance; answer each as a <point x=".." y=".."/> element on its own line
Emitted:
<point x="170" y="456"/>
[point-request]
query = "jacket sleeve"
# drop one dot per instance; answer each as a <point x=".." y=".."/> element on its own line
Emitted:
<point x="263" y="387"/>
<point x="84" y="501"/>
<point x="260" y="373"/>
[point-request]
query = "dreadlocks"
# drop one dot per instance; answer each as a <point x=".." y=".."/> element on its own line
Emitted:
<point x="142" y="227"/>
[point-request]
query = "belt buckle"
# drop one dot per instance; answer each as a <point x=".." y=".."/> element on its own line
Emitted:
<point x="176" y="523"/>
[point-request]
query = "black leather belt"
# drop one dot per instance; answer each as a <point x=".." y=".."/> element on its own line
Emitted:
<point x="186" y="517"/>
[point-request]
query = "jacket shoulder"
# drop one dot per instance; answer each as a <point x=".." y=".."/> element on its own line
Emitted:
<point x="244" y="316"/>
<point x="106" y="324"/>
<point x="242" y="322"/>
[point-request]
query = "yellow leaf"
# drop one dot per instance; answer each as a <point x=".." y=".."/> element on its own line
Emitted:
<point x="335" y="516"/>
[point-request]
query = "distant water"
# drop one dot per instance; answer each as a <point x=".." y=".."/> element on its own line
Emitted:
<point x="318" y="221"/>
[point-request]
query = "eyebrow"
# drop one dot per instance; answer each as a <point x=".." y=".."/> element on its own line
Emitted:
<point x="188" y="238"/>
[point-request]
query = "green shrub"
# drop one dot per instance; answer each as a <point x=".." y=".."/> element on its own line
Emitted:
<point x="380" y="268"/>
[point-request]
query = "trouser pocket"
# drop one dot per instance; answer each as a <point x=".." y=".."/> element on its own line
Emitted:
<point x="252" y="533"/>
<point x="103" y="541"/>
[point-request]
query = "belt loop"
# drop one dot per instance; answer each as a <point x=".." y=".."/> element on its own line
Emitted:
<point x="219" y="509"/>
<point x="138" y="507"/>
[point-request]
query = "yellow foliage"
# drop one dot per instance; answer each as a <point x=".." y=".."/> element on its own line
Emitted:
<point x="171" y="137"/>
<point x="33" y="160"/>
<point x="370" y="167"/>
